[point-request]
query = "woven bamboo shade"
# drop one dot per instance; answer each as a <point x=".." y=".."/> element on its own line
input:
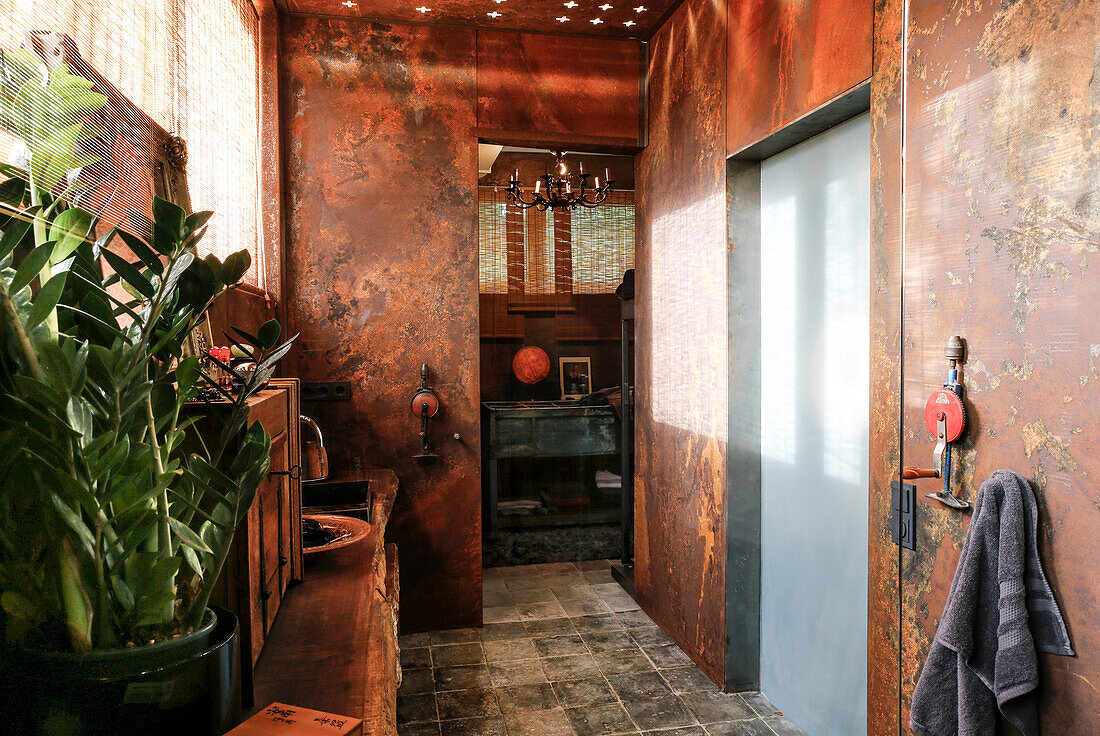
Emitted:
<point x="189" y="65"/>
<point x="553" y="254"/>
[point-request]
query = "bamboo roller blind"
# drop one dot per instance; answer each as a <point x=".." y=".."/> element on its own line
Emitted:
<point x="583" y="251"/>
<point x="192" y="67"/>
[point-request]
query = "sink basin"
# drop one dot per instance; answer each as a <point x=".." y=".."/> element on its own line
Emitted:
<point x="346" y="497"/>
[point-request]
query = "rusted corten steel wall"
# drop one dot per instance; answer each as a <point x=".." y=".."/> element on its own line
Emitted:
<point x="540" y="90"/>
<point x="1001" y="232"/>
<point x="382" y="275"/>
<point x="682" y="352"/>
<point x="786" y="59"/>
<point x="883" y="556"/>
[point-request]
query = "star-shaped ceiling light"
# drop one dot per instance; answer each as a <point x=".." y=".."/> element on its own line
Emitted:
<point x="494" y="14"/>
<point x="595" y="21"/>
<point x="640" y="9"/>
<point x="606" y="7"/>
<point x="423" y="9"/>
<point x="348" y="4"/>
<point x="629" y="23"/>
<point x="570" y="4"/>
<point x="562" y="19"/>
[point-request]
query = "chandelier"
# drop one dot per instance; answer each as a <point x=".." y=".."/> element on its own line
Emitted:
<point x="562" y="189"/>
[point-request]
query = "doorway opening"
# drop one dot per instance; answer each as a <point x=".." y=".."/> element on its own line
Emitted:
<point x="552" y="343"/>
<point x="800" y="281"/>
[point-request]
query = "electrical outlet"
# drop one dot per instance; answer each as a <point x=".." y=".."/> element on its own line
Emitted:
<point x="326" y="390"/>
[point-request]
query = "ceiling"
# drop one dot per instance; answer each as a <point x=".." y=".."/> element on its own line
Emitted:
<point x="617" y="18"/>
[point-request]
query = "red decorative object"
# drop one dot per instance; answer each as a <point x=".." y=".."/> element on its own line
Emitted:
<point x="531" y="364"/>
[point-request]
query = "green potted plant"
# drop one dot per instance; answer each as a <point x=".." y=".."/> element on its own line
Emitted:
<point x="116" y="514"/>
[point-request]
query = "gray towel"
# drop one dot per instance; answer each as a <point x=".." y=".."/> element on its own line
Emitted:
<point x="999" y="614"/>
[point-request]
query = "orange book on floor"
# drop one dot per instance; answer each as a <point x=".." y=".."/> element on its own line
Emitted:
<point x="290" y="720"/>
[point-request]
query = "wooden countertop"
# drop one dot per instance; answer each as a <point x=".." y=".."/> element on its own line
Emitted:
<point x="324" y="650"/>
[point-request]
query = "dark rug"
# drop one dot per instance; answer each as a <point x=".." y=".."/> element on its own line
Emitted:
<point x="557" y="544"/>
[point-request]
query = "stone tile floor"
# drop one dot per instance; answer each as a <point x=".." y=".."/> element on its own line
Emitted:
<point x="566" y="652"/>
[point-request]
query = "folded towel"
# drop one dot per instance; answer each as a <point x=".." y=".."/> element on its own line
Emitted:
<point x="999" y="614"/>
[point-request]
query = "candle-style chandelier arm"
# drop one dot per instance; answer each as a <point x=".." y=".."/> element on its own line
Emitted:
<point x="556" y="190"/>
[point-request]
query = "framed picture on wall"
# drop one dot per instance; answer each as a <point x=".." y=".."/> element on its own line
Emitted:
<point x="575" y="375"/>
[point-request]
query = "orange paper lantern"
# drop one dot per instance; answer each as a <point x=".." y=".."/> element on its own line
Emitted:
<point x="531" y="364"/>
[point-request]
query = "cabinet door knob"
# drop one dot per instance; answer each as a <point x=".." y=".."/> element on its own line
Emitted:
<point x="282" y="561"/>
<point x="265" y="594"/>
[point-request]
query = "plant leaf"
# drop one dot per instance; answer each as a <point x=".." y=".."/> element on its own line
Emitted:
<point x="69" y="230"/>
<point x="46" y="301"/>
<point x="31" y="266"/>
<point x="188" y="537"/>
<point x="129" y="274"/>
<point x="269" y="334"/>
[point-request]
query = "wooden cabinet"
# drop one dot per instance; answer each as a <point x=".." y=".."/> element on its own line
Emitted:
<point x="266" y="555"/>
<point x="342" y="618"/>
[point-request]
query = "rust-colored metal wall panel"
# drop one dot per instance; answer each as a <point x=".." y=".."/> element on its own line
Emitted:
<point x="540" y="89"/>
<point x="1000" y="246"/>
<point x="786" y="59"/>
<point x="382" y="276"/>
<point x="885" y="370"/>
<point x="682" y="350"/>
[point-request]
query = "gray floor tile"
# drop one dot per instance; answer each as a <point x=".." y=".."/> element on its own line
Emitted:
<point x="497" y="598"/>
<point x="542" y="723"/>
<point x="549" y="627"/>
<point x="667" y="657"/>
<point x="634" y="619"/>
<point x="759" y="703"/>
<point x="582" y="693"/>
<point x="412" y="641"/>
<point x="602" y="622"/>
<point x="452" y="655"/>
<point x="783" y="727"/>
<point x="526" y="698"/>
<point x="608" y="641"/>
<point x="473" y="703"/>
<point x="499" y="614"/>
<point x="540" y="611"/>
<point x="640" y="686"/>
<point x="717" y="707"/>
<point x="574" y="667"/>
<point x="600" y="720"/>
<point x="534" y="595"/>
<point x="484" y="726"/>
<point x="578" y="591"/>
<point x="462" y="677"/>
<point x="503" y="632"/>
<point x="599" y="576"/>
<point x="650" y="636"/>
<point x="509" y="650"/>
<point x="621" y="604"/>
<point x="521" y="672"/>
<point x="430" y="728"/>
<point x="621" y="663"/>
<point x="753" y="727"/>
<point x="559" y="646"/>
<point x="525" y="582"/>
<point x="416" y="658"/>
<point x="609" y="589"/>
<point x="688" y="680"/>
<point x="585" y="607"/>
<point x="416" y="682"/>
<point x="657" y="713"/>
<point x="455" y="636"/>
<point x="416" y="708"/>
<point x="557" y="568"/>
<point x="593" y="565"/>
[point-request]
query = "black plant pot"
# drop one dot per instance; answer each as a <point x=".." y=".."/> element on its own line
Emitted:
<point x="191" y="687"/>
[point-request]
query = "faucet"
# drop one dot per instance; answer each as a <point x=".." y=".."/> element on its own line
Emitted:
<point x="314" y="454"/>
